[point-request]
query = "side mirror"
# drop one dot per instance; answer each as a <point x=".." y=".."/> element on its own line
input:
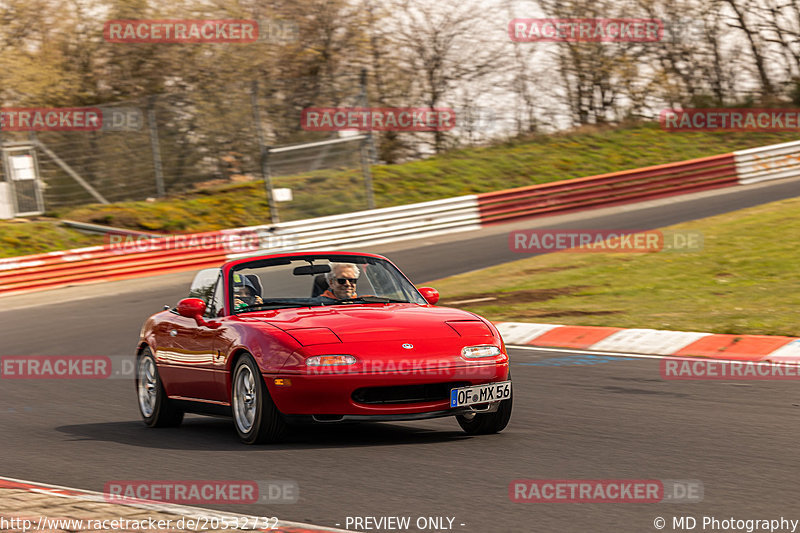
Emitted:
<point x="193" y="308"/>
<point x="430" y="294"/>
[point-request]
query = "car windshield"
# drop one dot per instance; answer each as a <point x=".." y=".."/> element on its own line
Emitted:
<point x="318" y="281"/>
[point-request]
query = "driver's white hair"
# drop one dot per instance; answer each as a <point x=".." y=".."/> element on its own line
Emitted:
<point x="338" y="267"/>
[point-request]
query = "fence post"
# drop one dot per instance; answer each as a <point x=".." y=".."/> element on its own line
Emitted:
<point x="154" y="146"/>
<point x="2" y="153"/>
<point x="265" y="170"/>
<point x="367" y="147"/>
<point x="367" y="171"/>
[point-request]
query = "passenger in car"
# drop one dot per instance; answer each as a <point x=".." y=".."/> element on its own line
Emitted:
<point x="342" y="281"/>
<point x="244" y="292"/>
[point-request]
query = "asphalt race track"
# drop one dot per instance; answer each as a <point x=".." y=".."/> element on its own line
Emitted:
<point x="575" y="417"/>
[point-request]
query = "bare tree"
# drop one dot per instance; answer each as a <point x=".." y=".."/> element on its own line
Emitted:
<point x="390" y="84"/>
<point x="442" y="47"/>
<point x="595" y="75"/>
<point x="692" y="67"/>
<point x="523" y="82"/>
<point x="741" y="21"/>
<point x="781" y="25"/>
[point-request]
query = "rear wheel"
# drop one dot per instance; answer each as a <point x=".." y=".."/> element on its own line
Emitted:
<point x="157" y="410"/>
<point x="255" y="415"/>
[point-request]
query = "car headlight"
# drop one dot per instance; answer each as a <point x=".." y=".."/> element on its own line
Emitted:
<point x="330" y="360"/>
<point x="474" y="352"/>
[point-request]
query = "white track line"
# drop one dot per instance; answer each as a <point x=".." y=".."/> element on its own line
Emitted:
<point x="585" y="352"/>
<point x="633" y="355"/>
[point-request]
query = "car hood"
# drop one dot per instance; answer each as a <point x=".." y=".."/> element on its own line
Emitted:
<point x="376" y="322"/>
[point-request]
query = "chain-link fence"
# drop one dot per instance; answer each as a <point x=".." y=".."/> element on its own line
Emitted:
<point x="170" y="145"/>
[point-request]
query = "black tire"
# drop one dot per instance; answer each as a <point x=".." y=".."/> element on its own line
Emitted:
<point x="156" y="409"/>
<point x="255" y="416"/>
<point x="487" y="423"/>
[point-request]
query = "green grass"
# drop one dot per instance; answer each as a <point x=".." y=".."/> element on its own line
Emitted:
<point x="538" y="159"/>
<point x="41" y="236"/>
<point x="744" y="281"/>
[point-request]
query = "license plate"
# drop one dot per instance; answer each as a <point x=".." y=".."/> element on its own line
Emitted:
<point x="490" y="392"/>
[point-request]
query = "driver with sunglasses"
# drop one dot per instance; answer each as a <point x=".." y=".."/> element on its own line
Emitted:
<point x="342" y="281"/>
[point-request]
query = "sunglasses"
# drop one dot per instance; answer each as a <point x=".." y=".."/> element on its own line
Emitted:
<point x="342" y="281"/>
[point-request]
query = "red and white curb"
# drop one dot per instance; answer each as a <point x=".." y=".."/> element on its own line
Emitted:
<point x="282" y="526"/>
<point x="652" y="342"/>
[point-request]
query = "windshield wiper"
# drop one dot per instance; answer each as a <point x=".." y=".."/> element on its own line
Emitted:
<point x="372" y="300"/>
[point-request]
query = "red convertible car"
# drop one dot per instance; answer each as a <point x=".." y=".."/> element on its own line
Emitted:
<point x="322" y="337"/>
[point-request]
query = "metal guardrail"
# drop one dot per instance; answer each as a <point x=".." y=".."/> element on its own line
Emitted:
<point x="768" y="162"/>
<point x="609" y="189"/>
<point x="153" y="256"/>
<point x="141" y="258"/>
<point x="104" y="230"/>
<point x="377" y="226"/>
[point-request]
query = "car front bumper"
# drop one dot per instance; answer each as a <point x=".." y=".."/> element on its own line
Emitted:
<point x="331" y="396"/>
<point x="333" y="419"/>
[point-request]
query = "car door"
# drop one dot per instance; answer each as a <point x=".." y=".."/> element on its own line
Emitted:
<point x="187" y="357"/>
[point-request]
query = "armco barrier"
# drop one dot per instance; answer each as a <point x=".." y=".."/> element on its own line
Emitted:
<point x="111" y="262"/>
<point x="609" y="189"/>
<point x="768" y="162"/>
<point x="140" y="258"/>
<point x="376" y="226"/>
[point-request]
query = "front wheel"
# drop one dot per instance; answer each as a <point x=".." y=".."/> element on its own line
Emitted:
<point x="255" y="416"/>
<point x="156" y="409"/>
<point x="486" y="423"/>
